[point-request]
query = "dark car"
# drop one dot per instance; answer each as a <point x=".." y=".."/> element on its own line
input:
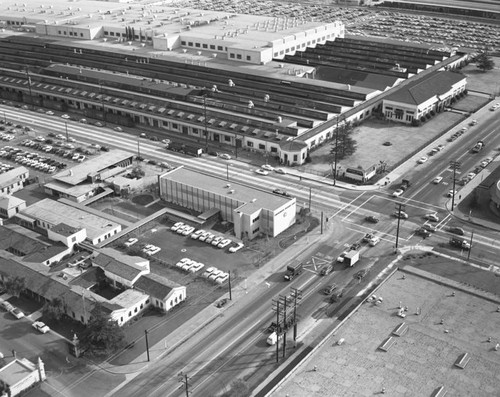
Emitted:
<point x="328" y="290"/>
<point x="327" y="270"/>
<point x="281" y="192"/>
<point x="456" y="230"/>
<point x="355" y="246"/>
<point x="423" y="232"/>
<point x="104" y="148"/>
<point x="221" y="303"/>
<point x="372" y="219"/>
<point x="361" y="274"/>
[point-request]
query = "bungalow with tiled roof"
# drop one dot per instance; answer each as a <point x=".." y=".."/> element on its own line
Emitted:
<point x="429" y="94"/>
<point x="165" y="294"/>
<point x="10" y="206"/>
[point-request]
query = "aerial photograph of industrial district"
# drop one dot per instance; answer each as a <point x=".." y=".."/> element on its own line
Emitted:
<point x="240" y="198"/>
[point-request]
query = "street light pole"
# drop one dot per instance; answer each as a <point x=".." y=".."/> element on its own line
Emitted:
<point x="102" y="104"/>
<point x="66" y="127"/>
<point x="227" y="171"/>
<point x="29" y="87"/>
<point x="336" y="149"/>
<point x="455" y="165"/>
<point x="147" y="343"/>
<point x="400" y="207"/>
<point x="138" y="148"/>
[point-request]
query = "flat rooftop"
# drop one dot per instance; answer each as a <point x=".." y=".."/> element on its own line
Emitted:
<point x="55" y="212"/>
<point x="81" y="172"/>
<point x="236" y="191"/>
<point x="16" y="371"/>
<point x="421" y="360"/>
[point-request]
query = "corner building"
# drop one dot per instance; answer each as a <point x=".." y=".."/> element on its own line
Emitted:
<point x="251" y="211"/>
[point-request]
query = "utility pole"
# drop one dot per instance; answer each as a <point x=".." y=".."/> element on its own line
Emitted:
<point x="229" y="284"/>
<point x="147" y="344"/>
<point x="184" y="379"/>
<point x="205" y="120"/>
<point x="455" y="165"/>
<point x="284" y="326"/>
<point x="321" y="222"/>
<point x="310" y="197"/>
<point x="399" y="207"/>
<point x="66" y="126"/>
<point x="296" y="294"/>
<point x="29" y="87"/>
<point x="102" y="104"/>
<point x="277" y="330"/>
<point x="470" y="243"/>
<point x="227" y="171"/>
<point x="336" y="149"/>
<point x="138" y="148"/>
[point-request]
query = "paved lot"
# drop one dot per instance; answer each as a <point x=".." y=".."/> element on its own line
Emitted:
<point x="420" y="361"/>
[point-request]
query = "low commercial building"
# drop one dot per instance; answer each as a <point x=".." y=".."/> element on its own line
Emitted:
<point x="432" y="93"/>
<point x="48" y="213"/>
<point x="20" y="374"/>
<point x="253" y="212"/>
<point x="164" y="293"/>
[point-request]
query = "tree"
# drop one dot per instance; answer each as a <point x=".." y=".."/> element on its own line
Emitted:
<point x="484" y="62"/>
<point x="55" y="309"/>
<point x="15" y="286"/>
<point x="346" y="146"/>
<point x="102" y="336"/>
<point x="137" y="172"/>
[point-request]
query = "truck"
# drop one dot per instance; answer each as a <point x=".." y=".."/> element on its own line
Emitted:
<point x="405" y="184"/>
<point x="185" y="149"/>
<point x="478" y="147"/>
<point x="274" y="338"/>
<point x="293" y="270"/>
<point x="351" y="258"/>
<point x="460" y="243"/>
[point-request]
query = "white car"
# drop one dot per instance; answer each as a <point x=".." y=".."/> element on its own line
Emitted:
<point x="182" y="229"/>
<point x="177" y="226"/>
<point x="236" y="248"/>
<point x="7" y="306"/>
<point x="398" y="193"/>
<point x="166" y="141"/>
<point x="40" y="139"/>
<point x="119" y="129"/>
<point x="49" y="113"/>
<point x="401" y="214"/>
<point x="41" y="327"/>
<point x="17" y="313"/>
<point x="148" y="247"/>
<point x="267" y="167"/>
<point x="451" y="192"/>
<point x="260" y="171"/>
<point x="471" y="175"/>
<point x="216" y="273"/>
<point x="225" y="156"/>
<point x="483" y="164"/>
<point x="65" y="116"/>
<point x="374" y="241"/>
<point x="432" y="217"/>
<point x="473" y="122"/>
<point x="221" y="279"/>
<point x="209" y="271"/>
<point x="197" y="234"/>
<point x="280" y="171"/>
<point x="153" y="251"/>
<point x="196" y="267"/>
<point x="183" y="261"/>
<point x="224" y="243"/>
<point x="187" y="231"/>
<point x="205" y="236"/>
<point x="437" y="180"/>
<point x="217" y="240"/>
<point x="422" y="160"/>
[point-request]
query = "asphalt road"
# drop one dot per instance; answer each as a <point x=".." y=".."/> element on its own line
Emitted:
<point x="237" y="345"/>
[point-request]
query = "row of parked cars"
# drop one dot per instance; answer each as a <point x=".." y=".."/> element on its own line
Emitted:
<point x="205" y="236"/>
<point x="189" y="265"/>
<point x="214" y="274"/>
<point x="37" y="162"/>
<point x="6" y="137"/>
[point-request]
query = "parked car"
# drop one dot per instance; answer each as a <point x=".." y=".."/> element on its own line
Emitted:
<point x="131" y="241"/>
<point x="437" y="180"/>
<point x="267" y="167"/>
<point x="398" y="193"/>
<point x="422" y="160"/>
<point x="217" y="240"/>
<point x="17" y="313"/>
<point x="222" y="278"/>
<point x="260" y="171"/>
<point x="196" y="266"/>
<point x="183" y="261"/>
<point x="371" y="219"/>
<point x="177" y="226"/>
<point x="188" y="230"/>
<point x="225" y="156"/>
<point x="206" y="236"/>
<point x="456" y="230"/>
<point x="182" y="229"/>
<point x="236" y="248"/>
<point x="197" y="234"/>
<point x="6" y="306"/>
<point x="401" y="214"/>
<point x="224" y="243"/>
<point x="280" y="171"/>
<point x="41" y="327"/>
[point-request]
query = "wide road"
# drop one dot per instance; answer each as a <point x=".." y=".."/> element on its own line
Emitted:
<point x="235" y="345"/>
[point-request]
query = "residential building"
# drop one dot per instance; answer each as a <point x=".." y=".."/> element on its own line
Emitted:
<point x="13" y="180"/>
<point x="20" y="374"/>
<point x="10" y="206"/>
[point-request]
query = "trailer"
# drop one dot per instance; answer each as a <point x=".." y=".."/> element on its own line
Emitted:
<point x="351" y="258"/>
<point x="185" y="149"/>
<point x="293" y="270"/>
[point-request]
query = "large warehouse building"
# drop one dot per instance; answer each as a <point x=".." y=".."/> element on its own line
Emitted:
<point x="252" y="211"/>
